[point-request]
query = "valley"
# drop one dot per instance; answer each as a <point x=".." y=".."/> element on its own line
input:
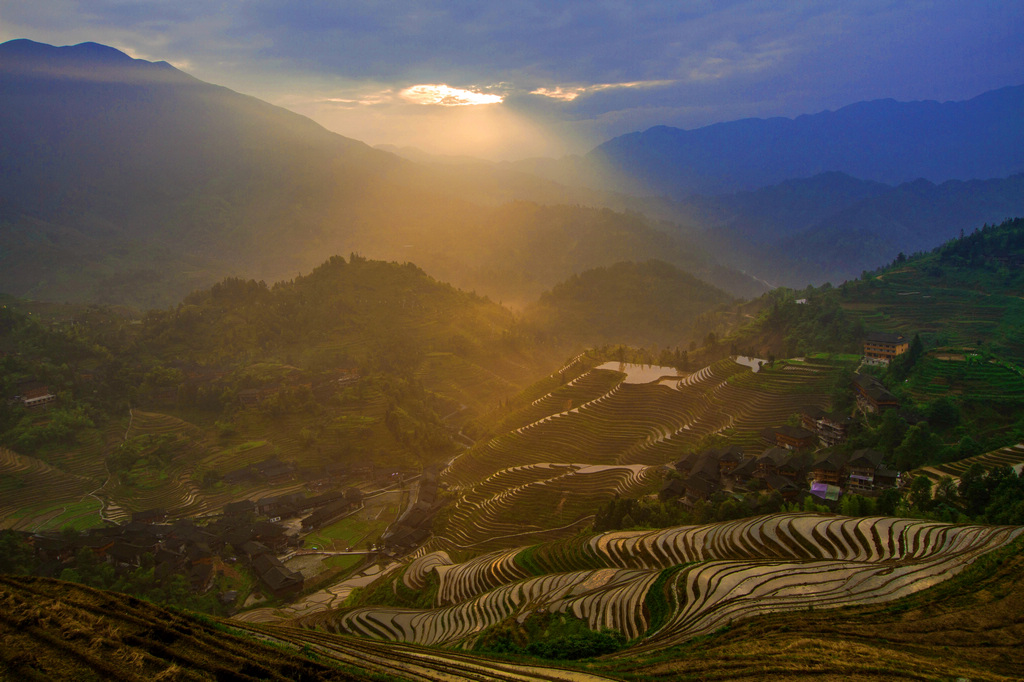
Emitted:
<point x="742" y="401"/>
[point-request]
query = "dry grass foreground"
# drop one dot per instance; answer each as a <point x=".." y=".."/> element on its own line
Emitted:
<point x="52" y="630"/>
<point x="970" y="627"/>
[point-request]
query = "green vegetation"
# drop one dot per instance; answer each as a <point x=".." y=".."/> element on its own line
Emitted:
<point x="354" y="531"/>
<point x="651" y="303"/>
<point x="657" y="600"/>
<point x="558" y="636"/>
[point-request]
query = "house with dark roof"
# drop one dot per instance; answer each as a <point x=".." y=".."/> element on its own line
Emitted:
<point x="831" y="427"/>
<point x="861" y="469"/>
<point x="769" y="461"/>
<point x="241" y="508"/>
<point x="829" y="468"/>
<point x="278" y="579"/>
<point x="789" y="437"/>
<point x="872" y="396"/>
<point x="783" y="485"/>
<point x="672" y="489"/>
<point x="744" y="471"/>
<point x="729" y="458"/>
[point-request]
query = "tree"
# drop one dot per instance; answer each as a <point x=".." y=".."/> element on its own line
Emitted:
<point x="921" y="493"/>
<point x="973" y="490"/>
<point x="943" y="413"/>
<point x="16" y="555"/>
<point x="919" y="446"/>
<point x="946" y="492"/>
<point x="888" y="501"/>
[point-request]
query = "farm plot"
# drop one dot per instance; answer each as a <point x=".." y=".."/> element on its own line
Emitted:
<point x="1012" y="456"/>
<point x="536" y="502"/>
<point x="34" y="493"/>
<point x="625" y="421"/>
<point x="958" y="372"/>
<point x="718" y="574"/>
<point x="518" y="488"/>
<point x="164" y="452"/>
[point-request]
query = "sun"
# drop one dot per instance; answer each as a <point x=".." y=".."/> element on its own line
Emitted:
<point x="447" y="96"/>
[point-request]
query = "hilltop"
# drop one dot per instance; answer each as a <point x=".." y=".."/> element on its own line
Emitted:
<point x="635" y="304"/>
<point x="964" y="292"/>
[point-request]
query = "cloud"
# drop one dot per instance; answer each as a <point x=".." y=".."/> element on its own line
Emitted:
<point x="600" y="67"/>
<point x="569" y="93"/>
<point x="447" y="96"/>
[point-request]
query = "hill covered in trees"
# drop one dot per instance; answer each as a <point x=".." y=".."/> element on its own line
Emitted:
<point x="636" y="304"/>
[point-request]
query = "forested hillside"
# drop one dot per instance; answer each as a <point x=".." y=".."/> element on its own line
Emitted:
<point x="636" y="304"/>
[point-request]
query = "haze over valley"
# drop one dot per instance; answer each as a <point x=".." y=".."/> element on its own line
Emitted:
<point x="537" y="343"/>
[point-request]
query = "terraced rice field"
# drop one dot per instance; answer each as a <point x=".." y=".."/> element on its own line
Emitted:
<point x="597" y="435"/>
<point x="537" y="502"/>
<point x="33" y="494"/>
<point x="953" y="316"/>
<point x="1012" y="455"/>
<point x="953" y="373"/>
<point x="705" y="577"/>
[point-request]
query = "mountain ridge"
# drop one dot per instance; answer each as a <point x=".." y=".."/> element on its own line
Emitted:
<point x="142" y="189"/>
<point x="881" y="140"/>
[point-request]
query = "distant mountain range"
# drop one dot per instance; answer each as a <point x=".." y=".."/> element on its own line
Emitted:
<point x="883" y="140"/>
<point x="127" y="181"/>
<point x="831" y="227"/>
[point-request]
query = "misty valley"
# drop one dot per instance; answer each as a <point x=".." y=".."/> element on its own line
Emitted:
<point x="277" y="404"/>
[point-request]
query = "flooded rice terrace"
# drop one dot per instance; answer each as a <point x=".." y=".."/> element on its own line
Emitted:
<point x="641" y="374"/>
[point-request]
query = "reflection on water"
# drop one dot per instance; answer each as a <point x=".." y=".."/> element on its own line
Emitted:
<point x="640" y="374"/>
<point x="752" y="363"/>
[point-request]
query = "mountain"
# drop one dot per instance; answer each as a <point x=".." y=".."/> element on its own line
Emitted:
<point x="125" y="181"/>
<point x="883" y="140"/>
<point x="637" y="304"/>
<point x="831" y="227"/>
<point x="118" y="173"/>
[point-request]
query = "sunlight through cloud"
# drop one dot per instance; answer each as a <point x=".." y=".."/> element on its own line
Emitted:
<point x="447" y="96"/>
<point x="569" y="93"/>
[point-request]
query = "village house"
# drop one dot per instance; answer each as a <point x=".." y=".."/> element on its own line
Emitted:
<point x="861" y="469"/>
<point x="829" y="468"/>
<point x="789" y="437"/>
<point x="744" y="471"/>
<point x="783" y="486"/>
<point x="831" y="427"/>
<point x="672" y="489"/>
<point x="872" y="396"/>
<point x="770" y="460"/>
<point x="884" y="346"/>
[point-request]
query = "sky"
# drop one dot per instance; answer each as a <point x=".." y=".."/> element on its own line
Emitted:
<point x="523" y="78"/>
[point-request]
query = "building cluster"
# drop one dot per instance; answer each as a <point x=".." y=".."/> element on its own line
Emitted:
<point x="201" y="552"/>
<point x="872" y="395"/>
<point x="795" y="459"/>
<point x="413" y="527"/>
<point x="825" y="473"/>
